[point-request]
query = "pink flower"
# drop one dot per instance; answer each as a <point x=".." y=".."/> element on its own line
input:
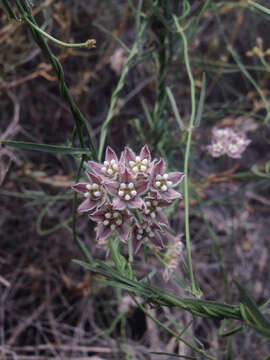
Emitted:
<point x="226" y="141"/>
<point x="93" y="191"/>
<point x="110" y="220"/>
<point x="237" y="145"/>
<point x="127" y="191"/>
<point x="111" y="167"/>
<point x="138" y="165"/>
<point x="146" y="232"/>
<point x="162" y="183"/>
<point x="152" y="209"/>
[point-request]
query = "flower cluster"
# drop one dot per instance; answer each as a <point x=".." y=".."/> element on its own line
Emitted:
<point x="126" y="196"/>
<point x="226" y="141"/>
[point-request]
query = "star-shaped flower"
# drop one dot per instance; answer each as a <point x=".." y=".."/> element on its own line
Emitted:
<point x="146" y="232"/>
<point x="110" y="168"/>
<point x="127" y="191"/>
<point x="162" y="182"/>
<point x="93" y="191"/>
<point x="138" y="165"/>
<point x="152" y="209"/>
<point x="111" y="220"/>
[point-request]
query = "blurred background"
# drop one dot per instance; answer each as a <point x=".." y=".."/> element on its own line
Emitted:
<point x="50" y="307"/>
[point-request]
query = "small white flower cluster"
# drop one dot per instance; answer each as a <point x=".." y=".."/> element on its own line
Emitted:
<point x="228" y="142"/>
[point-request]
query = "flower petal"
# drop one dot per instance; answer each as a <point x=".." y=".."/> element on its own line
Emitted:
<point x="126" y="177"/>
<point x="141" y="186"/>
<point x="129" y="155"/>
<point x="80" y="187"/>
<point x="171" y="194"/>
<point x="112" y="187"/>
<point x="136" y="203"/>
<point x="97" y="168"/>
<point x="102" y="231"/>
<point x="98" y="215"/>
<point x="162" y="219"/>
<point x="123" y="231"/>
<point x="119" y="204"/>
<point x="159" y="168"/>
<point x="87" y="205"/>
<point x="110" y="154"/>
<point x="93" y="178"/>
<point x="145" y="153"/>
<point x="176" y="177"/>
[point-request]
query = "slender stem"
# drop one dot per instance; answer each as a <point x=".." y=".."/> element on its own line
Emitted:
<point x="88" y="43"/>
<point x="187" y="152"/>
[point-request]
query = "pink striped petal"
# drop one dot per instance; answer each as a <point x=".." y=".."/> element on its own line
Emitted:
<point x="97" y="168"/>
<point x="102" y="231"/>
<point x="145" y="153"/>
<point x="159" y="168"/>
<point x="141" y="186"/>
<point x="176" y="177"/>
<point x="87" y="205"/>
<point x="80" y="187"/>
<point x="110" y="154"/>
<point x="119" y="204"/>
<point x="172" y="194"/>
<point x="135" y="203"/>
<point x="129" y="154"/>
<point x="123" y="231"/>
<point x="112" y="187"/>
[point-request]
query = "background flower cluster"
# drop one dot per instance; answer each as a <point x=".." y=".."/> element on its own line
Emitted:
<point x="126" y="195"/>
<point x="226" y="141"/>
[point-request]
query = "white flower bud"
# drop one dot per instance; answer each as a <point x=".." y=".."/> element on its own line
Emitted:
<point x="143" y="168"/>
<point x="122" y="186"/>
<point x="138" y="158"/>
<point x="106" y="163"/>
<point x="86" y="194"/>
<point x="158" y="177"/>
<point x="133" y="192"/>
<point x="113" y="226"/>
<point x="106" y="222"/>
<point x="158" y="183"/>
<point x="112" y="161"/>
<point x="148" y="203"/>
<point x="135" y="169"/>
<point x="95" y="186"/>
<point x="138" y="237"/>
<point x="164" y="188"/>
<point x="121" y="193"/>
<point x="108" y="215"/>
<point x="88" y="186"/>
<point x="169" y="183"/>
<point x="115" y="166"/>
<point x="103" y="169"/>
<point x="165" y="176"/>
<point x="140" y="231"/>
<point x="119" y="222"/>
<point x="145" y="161"/>
<point x="130" y="185"/>
<point x="153" y="215"/>
<point x="109" y="171"/>
<point x="115" y="214"/>
<point x="97" y="193"/>
<point x="131" y="163"/>
<point x="127" y="197"/>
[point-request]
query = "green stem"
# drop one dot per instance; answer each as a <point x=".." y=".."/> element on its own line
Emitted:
<point x="88" y="43"/>
<point x="187" y="152"/>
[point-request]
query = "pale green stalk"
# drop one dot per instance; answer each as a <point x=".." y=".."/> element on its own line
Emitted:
<point x="187" y="152"/>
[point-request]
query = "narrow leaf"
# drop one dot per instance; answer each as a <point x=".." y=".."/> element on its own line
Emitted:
<point x="46" y="148"/>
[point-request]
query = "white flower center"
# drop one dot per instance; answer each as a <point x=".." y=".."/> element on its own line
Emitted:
<point x="217" y="147"/>
<point x="110" y="168"/>
<point x="161" y="182"/>
<point x="151" y="207"/>
<point x="95" y="191"/>
<point x="113" y="219"/>
<point x="139" y="165"/>
<point x="127" y="191"/>
<point x="145" y="234"/>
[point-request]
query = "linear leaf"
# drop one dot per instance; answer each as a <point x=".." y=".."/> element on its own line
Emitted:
<point x="46" y="148"/>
